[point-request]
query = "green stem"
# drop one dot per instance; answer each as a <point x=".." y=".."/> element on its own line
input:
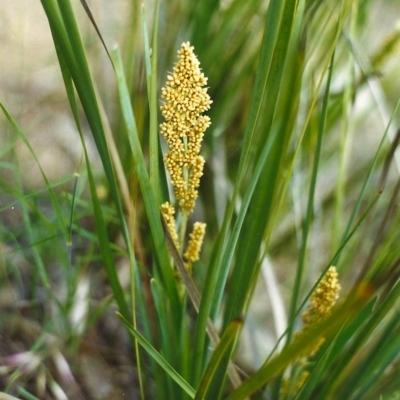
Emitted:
<point x="310" y="209"/>
<point x="183" y="224"/>
<point x="182" y="232"/>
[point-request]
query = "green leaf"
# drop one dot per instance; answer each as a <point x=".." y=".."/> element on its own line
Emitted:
<point x="159" y="359"/>
<point x="223" y="346"/>
<point x="152" y="207"/>
<point x="305" y="342"/>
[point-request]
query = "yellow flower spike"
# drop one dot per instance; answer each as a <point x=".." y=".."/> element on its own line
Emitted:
<point x="321" y="303"/>
<point x="323" y="298"/>
<point x="192" y="253"/>
<point x="168" y="212"/>
<point x="184" y="126"/>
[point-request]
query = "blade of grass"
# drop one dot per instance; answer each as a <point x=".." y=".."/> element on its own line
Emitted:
<point x="38" y="262"/>
<point x="75" y="69"/>
<point x="305" y="342"/>
<point x="344" y="141"/>
<point x="49" y="186"/>
<point x="213" y="283"/>
<point x="147" y="51"/>
<point x="68" y="43"/>
<point x="340" y="373"/>
<point x="5" y="396"/>
<point x="101" y="226"/>
<point x="154" y="137"/>
<point x="228" y="256"/>
<point x="223" y="346"/>
<point x="89" y="13"/>
<point x="196" y="299"/>
<point x="34" y="193"/>
<point x="378" y="358"/>
<point x="159" y="359"/>
<point x="298" y="281"/>
<point x="331" y="354"/>
<point x="35" y="348"/>
<point x="26" y="394"/>
<point x="283" y="69"/>
<point x="151" y="205"/>
<point x="384" y="354"/>
<point x="367" y="179"/>
<point x="246" y="265"/>
<point x="302" y="305"/>
<point x="164" y="338"/>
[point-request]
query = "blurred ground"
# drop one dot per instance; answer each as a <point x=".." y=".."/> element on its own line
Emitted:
<point x="31" y="85"/>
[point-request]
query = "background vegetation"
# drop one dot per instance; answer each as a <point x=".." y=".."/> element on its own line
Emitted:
<point x="301" y="173"/>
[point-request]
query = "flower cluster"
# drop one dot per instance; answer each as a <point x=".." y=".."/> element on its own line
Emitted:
<point x="321" y="303"/>
<point x="192" y="253"/>
<point x="183" y="129"/>
<point x="323" y="299"/>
